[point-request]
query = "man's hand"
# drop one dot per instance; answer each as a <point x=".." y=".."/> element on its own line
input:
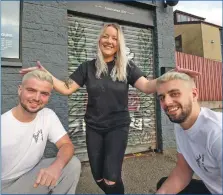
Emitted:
<point x="178" y="179"/>
<point x="48" y="176"/>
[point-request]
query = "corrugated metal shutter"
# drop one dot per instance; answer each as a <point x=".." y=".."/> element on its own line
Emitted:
<point x="82" y="36"/>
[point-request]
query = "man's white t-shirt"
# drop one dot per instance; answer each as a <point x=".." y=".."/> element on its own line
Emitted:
<point x="201" y="146"/>
<point x="23" y="144"/>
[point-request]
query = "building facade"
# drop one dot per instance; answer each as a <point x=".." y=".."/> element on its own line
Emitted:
<point x="61" y="35"/>
<point x="193" y="35"/>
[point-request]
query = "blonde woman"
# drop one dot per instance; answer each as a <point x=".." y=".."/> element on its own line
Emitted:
<point x="107" y="118"/>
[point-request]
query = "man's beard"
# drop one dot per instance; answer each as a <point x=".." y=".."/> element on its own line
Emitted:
<point x="27" y="109"/>
<point x="186" y="111"/>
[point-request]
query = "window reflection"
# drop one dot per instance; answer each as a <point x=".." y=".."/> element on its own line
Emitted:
<point x="10" y="19"/>
<point x="184" y="18"/>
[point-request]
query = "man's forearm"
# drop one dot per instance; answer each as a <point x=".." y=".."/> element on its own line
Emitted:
<point x="64" y="155"/>
<point x="176" y="182"/>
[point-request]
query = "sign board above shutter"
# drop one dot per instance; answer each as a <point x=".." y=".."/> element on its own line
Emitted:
<point x="114" y="10"/>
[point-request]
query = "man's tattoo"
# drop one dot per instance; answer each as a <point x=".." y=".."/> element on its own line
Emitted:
<point x="68" y="83"/>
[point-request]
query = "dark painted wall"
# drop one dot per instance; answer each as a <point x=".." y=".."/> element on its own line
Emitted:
<point x="44" y="38"/>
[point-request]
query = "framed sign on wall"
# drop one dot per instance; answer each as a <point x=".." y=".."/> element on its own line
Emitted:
<point x="10" y="31"/>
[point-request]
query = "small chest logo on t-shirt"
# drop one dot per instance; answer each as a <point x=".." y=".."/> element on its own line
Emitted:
<point x="200" y="162"/>
<point x="38" y="135"/>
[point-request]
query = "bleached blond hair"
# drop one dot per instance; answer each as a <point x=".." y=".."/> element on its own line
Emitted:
<point x="38" y="74"/>
<point x="119" y="71"/>
<point x="173" y="75"/>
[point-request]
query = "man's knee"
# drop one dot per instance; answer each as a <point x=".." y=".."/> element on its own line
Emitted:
<point x="160" y="182"/>
<point x="73" y="167"/>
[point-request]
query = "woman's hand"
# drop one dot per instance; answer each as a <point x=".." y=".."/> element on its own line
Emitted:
<point x="191" y="73"/>
<point x="38" y="66"/>
<point x="59" y="86"/>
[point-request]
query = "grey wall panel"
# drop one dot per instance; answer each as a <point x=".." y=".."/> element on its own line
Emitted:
<point x="114" y="10"/>
<point x="165" y="57"/>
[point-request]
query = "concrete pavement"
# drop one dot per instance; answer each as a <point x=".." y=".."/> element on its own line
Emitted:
<point x="140" y="173"/>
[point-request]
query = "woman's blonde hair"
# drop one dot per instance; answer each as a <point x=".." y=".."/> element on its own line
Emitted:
<point x="119" y="71"/>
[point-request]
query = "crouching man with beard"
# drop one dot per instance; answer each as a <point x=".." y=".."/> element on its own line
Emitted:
<point x="198" y="134"/>
<point x="25" y="130"/>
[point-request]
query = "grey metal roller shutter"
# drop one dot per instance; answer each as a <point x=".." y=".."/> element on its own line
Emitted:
<point x="82" y="36"/>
